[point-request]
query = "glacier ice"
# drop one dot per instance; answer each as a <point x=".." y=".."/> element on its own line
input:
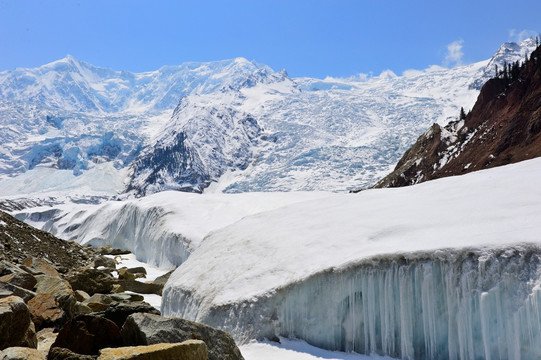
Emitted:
<point x="469" y="304"/>
<point x="444" y="269"/>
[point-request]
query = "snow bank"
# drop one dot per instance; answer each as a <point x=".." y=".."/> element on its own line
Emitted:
<point x="445" y="269"/>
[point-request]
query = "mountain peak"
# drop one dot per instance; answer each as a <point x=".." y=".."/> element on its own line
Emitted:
<point x="508" y="53"/>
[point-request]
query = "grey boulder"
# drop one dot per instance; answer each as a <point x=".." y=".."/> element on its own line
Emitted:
<point x="148" y="329"/>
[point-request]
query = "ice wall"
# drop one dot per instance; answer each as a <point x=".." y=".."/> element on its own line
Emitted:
<point x="474" y="304"/>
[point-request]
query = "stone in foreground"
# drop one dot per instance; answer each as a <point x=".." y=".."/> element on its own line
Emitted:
<point x="16" y="328"/>
<point x="87" y="334"/>
<point x="21" y="353"/>
<point x="187" y="350"/>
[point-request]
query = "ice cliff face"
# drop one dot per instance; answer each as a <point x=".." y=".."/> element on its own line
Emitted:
<point x="289" y="134"/>
<point x="469" y="304"/>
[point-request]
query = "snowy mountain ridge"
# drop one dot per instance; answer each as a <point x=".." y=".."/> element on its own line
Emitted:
<point x="72" y="85"/>
<point x="303" y="134"/>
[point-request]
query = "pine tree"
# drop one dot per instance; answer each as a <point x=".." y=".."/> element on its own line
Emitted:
<point x="462" y="114"/>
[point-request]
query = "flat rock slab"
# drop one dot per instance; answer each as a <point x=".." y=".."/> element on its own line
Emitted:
<point x="187" y="350"/>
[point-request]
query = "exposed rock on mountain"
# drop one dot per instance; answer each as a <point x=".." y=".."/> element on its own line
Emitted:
<point x="199" y="144"/>
<point x="503" y="127"/>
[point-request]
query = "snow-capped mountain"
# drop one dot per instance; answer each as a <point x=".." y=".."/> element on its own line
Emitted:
<point x="239" y="126"/>
<point x="197" y="146"/>
<point x="508" y="53"/>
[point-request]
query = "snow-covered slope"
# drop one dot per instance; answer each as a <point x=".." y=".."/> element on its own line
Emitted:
<point x="161" y="229"/>
<point x="71" y="115"/>
<point x="272" y="132"/>
<point x="445" y="269"/>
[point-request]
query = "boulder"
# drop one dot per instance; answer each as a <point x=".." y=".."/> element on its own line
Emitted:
<point x="16" y="327"/>
<point x="105" y="262"/>
<point x="21" y="279"/>
<point x="98" y="302"/>
<point x="161" y="280"/>
<point x="187" y="350"/>
<point x="46" y="311"/>
<point x="46" y="337"/>
<point x="124" y="274"/>
<point x="141" y="287"/>
<point x="21" y="353"/>
<point x="147" y="329"/>
<point x="7" y="268"/>
<point x="138" y="270"/>
<point x="61" y="290"/>
<point x="92" y="281"/>
<point x="58" y="353"/>
<point x="109" y="250"/>
<point x="81" y="308"/>
<point x="119" y="312"/>
<point x="80" y="295"/>
<point x="127" y="297"/>
<point x="87" y="334"/>
<point x="10" y="290"/>
<point x="41" y="266"/>
<point x="30" y="270"/>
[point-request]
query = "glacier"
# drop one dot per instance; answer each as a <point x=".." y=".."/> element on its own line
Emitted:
<point x="290" y="134"/>
<point x="424" y="272"/>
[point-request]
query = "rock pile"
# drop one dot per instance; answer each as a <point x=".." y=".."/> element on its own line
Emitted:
<point x="79" y="310"/>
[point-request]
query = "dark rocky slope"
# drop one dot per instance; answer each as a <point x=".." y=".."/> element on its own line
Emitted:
<point x="503" y="127"/>
<point x="19" y="241"/>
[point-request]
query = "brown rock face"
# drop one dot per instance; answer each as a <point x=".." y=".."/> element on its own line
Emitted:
<point x="61" y="290"/>
<point x="41" y="266"/>
<point x="503" y="127"/>
<point x="16" y="328"/>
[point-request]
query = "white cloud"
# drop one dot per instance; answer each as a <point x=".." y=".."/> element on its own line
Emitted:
<point x="454" y="53"/>
<point x="519" y="35"/>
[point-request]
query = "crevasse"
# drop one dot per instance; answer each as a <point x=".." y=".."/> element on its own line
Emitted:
<point x="469" y="304"/>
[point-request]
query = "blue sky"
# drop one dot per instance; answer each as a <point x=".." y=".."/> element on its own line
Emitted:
<point x="308" y="38"/>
